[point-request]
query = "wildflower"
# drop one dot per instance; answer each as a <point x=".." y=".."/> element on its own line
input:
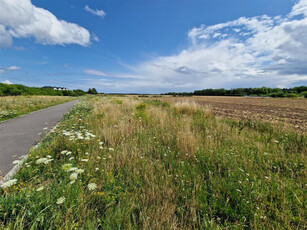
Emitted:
<point x="72" y="169"/>
<point x="86" y="153"/>
<point x="64" y="152"/>
<point x="111" y="149"/>
<point x="16" y="162"/>
<point x="9" y="183"/>
<point x="40" y="188"/>
<point x="71" y="158"/>
<point x="45" y="128"/>
<point x="41" y="160"/>
<point x="100" y="143"/>
<point x="68" y="153"/>
<point x="73" y="176"/>
<point x="48" y="156"/>
<point x="84" y="160"/>
<point x="79" y="171"/>
<point x="239" y="190"/>
<point x="60" y="200"/>
<point x="92" y="186"/>
<point x="47" y="161"/>
<point x="96" y="169"/>
<point x="73" y="181"/>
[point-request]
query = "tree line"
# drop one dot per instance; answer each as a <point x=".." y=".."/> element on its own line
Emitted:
<point x="15" y="90"/>
<point x="300" y="91"/>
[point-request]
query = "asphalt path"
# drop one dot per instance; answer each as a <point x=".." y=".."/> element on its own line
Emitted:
<point x="18" y="135"/>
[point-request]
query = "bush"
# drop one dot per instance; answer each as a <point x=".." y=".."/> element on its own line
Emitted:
<point x="304" y="94"/>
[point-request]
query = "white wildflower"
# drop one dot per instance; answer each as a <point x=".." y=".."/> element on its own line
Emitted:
<point x="64" y="152"/>
<point x="61" y="200"/>
<point x="47" y="161"/>
<point x="111" y="149"/>
<point x="96" y="169"/>
<point x="40" y="188"/>
<point x="92" y="186"/>
<point x="79" y="171"/>
<point x="71" y="158"/>
<point x="73" y="169"/>
<point x="73" y="176"/>
<point x="9" y="183"/>
<point x="16" y="162"/>
<point x="41" y="160"/>
<point x="84" y="160"/>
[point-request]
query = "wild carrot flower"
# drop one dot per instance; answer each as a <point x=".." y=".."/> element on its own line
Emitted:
<point x="73" y="176"/>
<point x="79" y="171"/>
<point x="9" y="183"/>
<point x="61" y="200"/>
<point x="40" y="188"/>
<point x="92" y="186"/>
<point x="41" y="160"/>
<point x="16" y="162"/>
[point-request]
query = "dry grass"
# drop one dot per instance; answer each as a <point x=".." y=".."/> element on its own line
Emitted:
<point x="162" y="166"/>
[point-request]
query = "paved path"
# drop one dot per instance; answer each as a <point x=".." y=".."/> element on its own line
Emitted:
<point x="18" y="135"/>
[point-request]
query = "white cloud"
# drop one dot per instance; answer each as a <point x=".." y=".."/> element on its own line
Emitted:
<point x="95" y="38"/>
<point x="96" y="72"/>
<point x="9" y="68"/>
<point x="13" y="68"/>
<point x="256" y="51"/>
<point x="7" y="82"/>
<point x="21" y="19"/>
<point x="299" y="8"/>
<point x="5" y="38"/>
<point x="99" y="13"/>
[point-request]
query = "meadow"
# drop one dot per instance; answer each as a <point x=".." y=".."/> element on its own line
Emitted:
<point x="14" y="106"/>
<point x="130" y="163"/>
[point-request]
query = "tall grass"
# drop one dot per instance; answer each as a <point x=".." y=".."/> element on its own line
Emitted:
<point x="159" y="166"/>
<point x="13" y="106"/>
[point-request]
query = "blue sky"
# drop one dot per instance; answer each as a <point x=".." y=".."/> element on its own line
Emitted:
<point x="153" y="46"/>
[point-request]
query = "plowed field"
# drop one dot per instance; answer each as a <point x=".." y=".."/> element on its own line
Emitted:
<point x="290" y="112"/>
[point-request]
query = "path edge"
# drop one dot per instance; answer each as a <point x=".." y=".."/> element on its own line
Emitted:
<point x="15" y="169"/>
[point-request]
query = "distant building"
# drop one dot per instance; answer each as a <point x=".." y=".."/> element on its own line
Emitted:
<point x="55" y="88"/>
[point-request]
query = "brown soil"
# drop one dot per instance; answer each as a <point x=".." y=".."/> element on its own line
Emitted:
<point x="290" y="112"/>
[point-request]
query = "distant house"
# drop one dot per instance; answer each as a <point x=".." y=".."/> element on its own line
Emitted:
<point x="55" y="88"/>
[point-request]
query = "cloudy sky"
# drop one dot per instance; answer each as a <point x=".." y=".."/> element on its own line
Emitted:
<point x="153" y="46"/>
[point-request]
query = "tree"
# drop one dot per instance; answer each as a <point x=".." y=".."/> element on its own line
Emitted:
<point x="92" y="91"/>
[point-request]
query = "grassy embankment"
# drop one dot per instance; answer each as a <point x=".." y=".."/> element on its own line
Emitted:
<point x="158" y="166"/>
<point x="14" y="106"/>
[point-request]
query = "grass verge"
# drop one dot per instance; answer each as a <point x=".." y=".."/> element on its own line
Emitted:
<point x="14" y="106"/>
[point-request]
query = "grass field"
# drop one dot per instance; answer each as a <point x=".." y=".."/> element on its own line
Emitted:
<point x="122" y="163"/>
<point x="14" y="106"/>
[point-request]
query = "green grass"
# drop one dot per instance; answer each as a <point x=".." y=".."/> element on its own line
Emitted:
<point x="156" y="166"/>
<point x="14" y="106"/>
